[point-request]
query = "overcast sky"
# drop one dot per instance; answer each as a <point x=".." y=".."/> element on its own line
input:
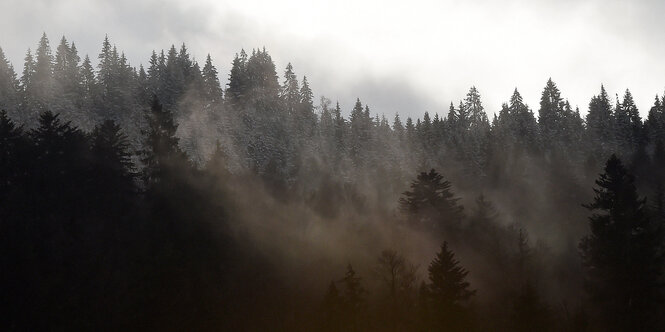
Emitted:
<point x="407" y="57"/>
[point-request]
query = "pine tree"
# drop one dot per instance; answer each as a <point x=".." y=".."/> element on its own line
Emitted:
<point x="89" y="94"/>
<point x="65" y="70"/>
<point x="185" y="64"/>
<point x="474" y="108"/>
<point x="475" y="145"/>
<point x="213" y="90"/>
<point x="398" y="127"/>
<point x="154" y="75"/>
<point x="621" y="255"/>
<point x="359" y="134"/>
<point x="110" y="148"/>
<point x="326" y="128"/>
<point x="340" y="131"/>
<point x="113" y="168"/>
<point x="550" y="115"/>
<point x="238" y="80"/>
<point x="290" y="91"/>
<point x="9" y="85"/>
<point x="43" y="75"/>
<point x="571" y="132"/>
<point x="628" y="124"/>
<point x="12" y="144"/>
<point x="142" y="93"/>
<point x="306" y="110"/>
<point x="59" y="165"/>
<point x="448" y="290"/>
<point x="431" y="202"/>
<point x="162" y="155"/>
<point x="172" y="80"/>
<point x="263" y="81"/>
<point x="29" y="111"/>
<point x="107" y="68"/>
<point x="600" y="125"/>
<point x="655" y="123"/>
<point x="523" y="125"/>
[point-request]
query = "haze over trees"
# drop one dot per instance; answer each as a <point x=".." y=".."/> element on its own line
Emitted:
<point x="166" y="198"/>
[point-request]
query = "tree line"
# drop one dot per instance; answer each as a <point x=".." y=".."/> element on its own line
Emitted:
<point x="119" y="201"/>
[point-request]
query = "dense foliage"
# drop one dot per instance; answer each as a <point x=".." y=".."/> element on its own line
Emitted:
<point x="134" y="198"/>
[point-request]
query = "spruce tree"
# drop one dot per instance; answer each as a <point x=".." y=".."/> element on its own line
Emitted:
<point x="628" y="124"/>
<point x="29" y="112"/>
<point x="655" y="123"/>
<point x="9" y="85"/>
<point x="213" y="90"/>
<point x="43" y="75"/>
<point x="474" y="108"/>
<point x="89" y="93"/>
<point x="340" y="132"/>
<point x="523" y="125"/>
<point x="306" y="110"/>
<point x="431" y="203"/>
<point x="238" y="81"/>
<point x="162" y="155"/>
<point x="621" y="254"/>
<point x="107" y="68"/>
<point x="600" y="125"/>
<point x="359" y="134"/>
<point x="550" y="114"/>
<point x="113" y="169"/>
<point x="12" y="144"/>
<point x="448" y="291"/>
<point x="290" y="93"/>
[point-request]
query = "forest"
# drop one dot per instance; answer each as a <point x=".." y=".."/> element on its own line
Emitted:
<point x="173" y="197"/>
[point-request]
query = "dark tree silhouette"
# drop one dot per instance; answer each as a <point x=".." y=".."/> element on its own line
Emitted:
<point x="448" y="290"/>
<point x="431" y="203"/>
<point x="621" y="255"/>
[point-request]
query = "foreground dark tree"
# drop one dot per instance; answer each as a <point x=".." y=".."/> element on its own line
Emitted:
<point x="621" y="255"/>
<point x="448" y="292"/>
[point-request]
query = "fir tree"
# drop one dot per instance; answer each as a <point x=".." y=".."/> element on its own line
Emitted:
<point x="655" y="123"/>
<point x="600" y="125"/>
<point x="290" y="91"/>
<point x="448" y="290"/>
<point x="628" y="124"/>
<point x="43" y="75"/>
<point x="238" y="80"/>
<point x="306" y="110"/>
<point x="9" y="85"/>
<point x="12" y="144"/>
<point x="431" y="202"/>
<point x="621" y="255"/>
<point x="107" y="68"/>
<point x="550" y="114"/>
<point x="213" y="90"/>
<point x="163" y="153"/>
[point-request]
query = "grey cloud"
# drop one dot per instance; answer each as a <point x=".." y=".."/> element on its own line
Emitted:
<point x="335" y="70"/>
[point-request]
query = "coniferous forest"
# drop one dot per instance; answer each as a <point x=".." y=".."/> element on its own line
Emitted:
<point x="176" y="197"/>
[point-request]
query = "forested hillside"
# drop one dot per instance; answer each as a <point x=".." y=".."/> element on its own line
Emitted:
<point x="175" y="197"/>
